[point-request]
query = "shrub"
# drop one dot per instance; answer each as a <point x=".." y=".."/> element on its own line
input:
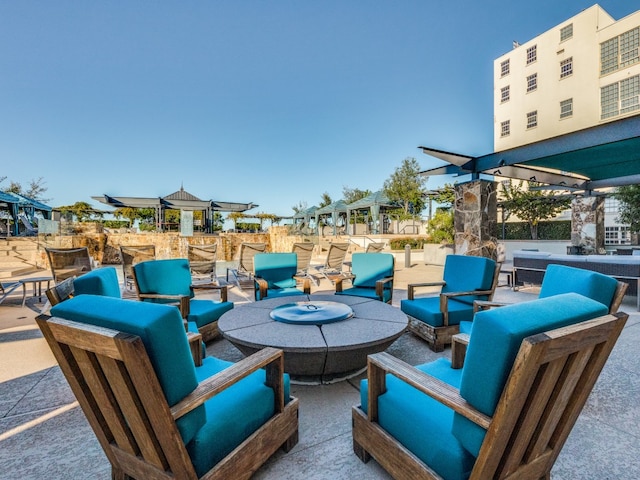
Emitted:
<point x="399" y="243"/>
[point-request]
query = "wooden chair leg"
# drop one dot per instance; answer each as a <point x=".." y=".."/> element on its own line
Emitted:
<point x="360" y="452"/>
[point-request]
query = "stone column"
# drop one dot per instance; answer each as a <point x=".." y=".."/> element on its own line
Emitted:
<point x="587" y="223"/>
<point x="475" y="219"/>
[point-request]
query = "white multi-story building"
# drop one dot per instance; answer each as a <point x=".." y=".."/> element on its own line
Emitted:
<point x="579" y="74"/>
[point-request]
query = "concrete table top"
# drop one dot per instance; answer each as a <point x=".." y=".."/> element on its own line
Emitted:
<point x="316" y="353"/>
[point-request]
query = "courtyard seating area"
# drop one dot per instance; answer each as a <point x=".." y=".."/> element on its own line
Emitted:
<point x="44" y="434"/>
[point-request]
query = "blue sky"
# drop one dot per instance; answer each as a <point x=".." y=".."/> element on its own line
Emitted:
<point x="271" y="102"/>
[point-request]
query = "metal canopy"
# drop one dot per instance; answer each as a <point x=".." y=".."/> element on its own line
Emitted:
<point x="606" y="155"/>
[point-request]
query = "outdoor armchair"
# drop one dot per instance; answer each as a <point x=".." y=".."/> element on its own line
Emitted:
<point x="436" y="319"/>
<point x="132" y="254"/>
<point x="334" y="263"/>
<point x="275" y="276"/>
<point x="166" y="281"/>
<point x="371" y="277"/>
<point x="202" y="261"/>
<point x="304" y="250"/>
<point x="154" y="413"/>
<point x="507" y="413"/>
<point x="244" y="272"/>
<point x="68" y="262"/>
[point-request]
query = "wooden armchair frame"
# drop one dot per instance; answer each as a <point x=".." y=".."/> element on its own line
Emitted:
<point x="460" y="341"/>
<point x="438" y="337"/>
<point x="550" y="380"/>
<point x="118" y="391"/>
<point x="68" y="262"/>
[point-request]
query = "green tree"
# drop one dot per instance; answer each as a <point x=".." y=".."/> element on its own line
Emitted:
<point x="81" y="210"/>
<point x="629" y="210"/>
<point x="406" y="187"/>
<point x="299" y="207"/>
<point x="325" y="200"/>
<point x="127" y="212"/>
<point x="533" y="205"/>
<point x="34" y="191"/>
<point x="235" y="217"/>
<point x="445" y="196"/>
<point x="441" y="227"/>
<point x="351" y="195"/>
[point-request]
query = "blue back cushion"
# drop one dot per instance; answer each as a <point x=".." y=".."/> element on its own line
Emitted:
<point x="277" y="269"/>
<point x="562" y="279"/>
<point x="102" y="281"/>
<point x="464" y="273"/>
<point x="161" y="329"/>
<point x="494" y="344"/>
<point x="164" y="277"/>
<point x="371" y="267"/>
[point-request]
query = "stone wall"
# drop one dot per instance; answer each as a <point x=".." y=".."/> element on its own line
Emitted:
<point x="587" y="223"/>
<point x="475" y="219"/>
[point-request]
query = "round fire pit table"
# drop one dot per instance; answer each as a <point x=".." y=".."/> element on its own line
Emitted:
<point x="316" y="350"/>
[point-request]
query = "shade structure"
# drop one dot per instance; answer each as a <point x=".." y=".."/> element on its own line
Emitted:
<point x="334" y="210"/>
<point x="13" y="203"/>
<point x="373" y="203"/>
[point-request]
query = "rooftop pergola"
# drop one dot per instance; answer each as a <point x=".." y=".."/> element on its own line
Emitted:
<point x="14" y="203"/>
<point x="180" y="200"/>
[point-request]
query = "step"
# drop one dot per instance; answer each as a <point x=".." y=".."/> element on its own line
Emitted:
<point x="17" y="269"/>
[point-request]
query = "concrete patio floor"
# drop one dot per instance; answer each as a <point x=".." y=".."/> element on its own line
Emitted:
<point x="43" y="432"/>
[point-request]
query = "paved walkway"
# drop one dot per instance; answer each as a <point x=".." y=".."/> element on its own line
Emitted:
<point x="43" y="433"/>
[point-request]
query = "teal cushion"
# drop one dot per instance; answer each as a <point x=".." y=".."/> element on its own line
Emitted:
<point x="368" y="268"/>
<point x="282" y="292"/>
<point x="464" y="273"/>
<point x="427" y="310"/>
<point x="562" y="279"/>
<point x="164" y="277"/>
<point x="367" y="292"/>
<point x="102" y="281"/>
<point x="162" y="332"/>
<point x="422" y="424"/>
<point x="465" y="327"/>
<point x="204" y="312"/>
<point x="277" y="269"/>
<point x="494" y="344"/>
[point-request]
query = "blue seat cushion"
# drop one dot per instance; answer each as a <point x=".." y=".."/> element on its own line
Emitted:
<point x="277" y="269"/>
<point x="204" y="312"/>
<point x="164" y="277"/>
<point x="464" y="273"/>
<point x="232" y="415"/>
<point x="494" y="345"/>
<point x="367" y="292"/>
<point x="427" y="310"/>
<point x="368" y="268"/>
<point x="162" y="332"/>
<point x="283" y="292"/>
<point x="465" y="327"/>
<point x="422" y="424"/>
<point x="563" y="279"/>
<point x="102" y="281"/>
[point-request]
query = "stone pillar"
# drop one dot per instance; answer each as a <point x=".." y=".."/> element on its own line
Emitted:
<point x="475" y="219"/>
<point x="587" y="223"/>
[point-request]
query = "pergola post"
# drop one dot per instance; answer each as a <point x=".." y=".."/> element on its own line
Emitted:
<point x="587" y="223"/>
<point x="475" y="219"/>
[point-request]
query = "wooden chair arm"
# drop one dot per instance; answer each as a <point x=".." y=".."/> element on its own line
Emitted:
<point x="459" y="343"/>
<point x="270" y="358"/>
<point x="195" y="345"/>
<point x="261" y="286"/>
<point x="479" y="305"/>
<point x="181" y="301"/>
<point x="444" y="301"/>
<point x="224" y="289"/>
<point x="380" y="364"/>
<point x="413" y="286"/>
<point x="380" y="287"/>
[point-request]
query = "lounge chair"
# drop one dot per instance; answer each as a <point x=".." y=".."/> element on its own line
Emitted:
<point x="7" y="288"/>
<point x="168" y="281"/>
<point x="275" y="276"/>
<point x="132" y="254"/>
<point x="507" y="413"/>
<point x="371" y="277"/>
<point x="304" y="251"/>
<point x="154" y="413"/>
<point x="202" y="262"/>
<point x="333" y="265"/>
<point x="557" y="280"/>
<point x="373" y="247"/>
<point x="436" y="319"/>
<point x="243" y="274"/>
<point x="68" y="262"/>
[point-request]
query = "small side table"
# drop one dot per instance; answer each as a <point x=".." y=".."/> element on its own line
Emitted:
<point x="37" y="287"/>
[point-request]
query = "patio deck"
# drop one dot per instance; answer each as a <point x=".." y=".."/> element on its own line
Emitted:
<point x="43" y="433"/>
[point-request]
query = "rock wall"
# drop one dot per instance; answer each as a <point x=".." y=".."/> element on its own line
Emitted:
<point x="475" y="219"/>
<point x="587" y="223"/>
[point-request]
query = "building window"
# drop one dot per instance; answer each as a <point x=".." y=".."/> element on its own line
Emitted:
<point x="532" y="54"/>
<point x="532" y="82"/>
<point x="617" y="235"/>
<point x="609" y="56"/>
<point x="566" y="32"/>
<point x="566" y="67"/>
<point x="532" y="119"/>
<point x="620" y="97"/>
<point x="620" y="52"/>
<point x="630" y="94"/>
<point x="504" y="68"/>
<point x="629" y="46"/>
<point x="504" y="94"/>
<point x="566" y="108"/>
<point x="609" y="101"/>
<point x="505" y="128"/>
<point x="611" y="205"/>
